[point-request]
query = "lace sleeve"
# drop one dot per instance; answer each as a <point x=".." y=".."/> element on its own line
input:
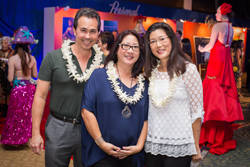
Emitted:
<point x="194" y="87"/>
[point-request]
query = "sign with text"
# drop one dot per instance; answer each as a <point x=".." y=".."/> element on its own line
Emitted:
<point x="121" y="10"/>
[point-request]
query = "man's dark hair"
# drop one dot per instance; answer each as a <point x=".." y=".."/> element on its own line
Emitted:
<point x="89" y="13"/>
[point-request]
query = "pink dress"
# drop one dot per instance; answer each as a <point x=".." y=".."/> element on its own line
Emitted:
<point x="18" y="124"/>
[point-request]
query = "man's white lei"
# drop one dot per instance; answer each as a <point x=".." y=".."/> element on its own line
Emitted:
<point x="71" y="67"/>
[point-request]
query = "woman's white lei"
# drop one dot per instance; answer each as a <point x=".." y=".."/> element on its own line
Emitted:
<point x="159" y="103"/>
<point x="71" y="68"/>
<point x="112" y="76"/>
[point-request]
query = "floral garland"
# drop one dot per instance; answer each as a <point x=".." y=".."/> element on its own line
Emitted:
<point x="159" y="103"/>
<point x="112" y="76"/>
<point x="71" y="67"/>
<point x="225" y="8"/>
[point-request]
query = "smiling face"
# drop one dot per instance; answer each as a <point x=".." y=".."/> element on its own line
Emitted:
<point x="160" y="44"/>
<point x="86" y="32"/>
<point x="128" y="57"/>
<point x="218" y="14"/>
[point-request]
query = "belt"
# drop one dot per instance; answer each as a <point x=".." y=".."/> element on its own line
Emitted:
<point x="66" y="119"/>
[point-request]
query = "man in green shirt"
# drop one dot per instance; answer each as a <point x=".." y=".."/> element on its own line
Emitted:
<point x="66" y="70"/>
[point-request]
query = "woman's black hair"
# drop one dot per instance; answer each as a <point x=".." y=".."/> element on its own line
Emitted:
<point x="177" y="59"/>
<point x="138" y="66"/>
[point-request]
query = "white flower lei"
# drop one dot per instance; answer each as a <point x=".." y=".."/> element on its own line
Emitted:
<point x="71" y="68"/>
<point x="159" y="103"/>
<point x="112" y="76"/>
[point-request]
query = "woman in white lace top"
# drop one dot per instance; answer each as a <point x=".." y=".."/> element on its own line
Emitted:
<point x="176" y="101"/>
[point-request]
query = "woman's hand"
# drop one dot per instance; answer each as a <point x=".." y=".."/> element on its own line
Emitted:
<point x="127" y="151"/>
<point x="110" y="149"/>
<point x="197" y="157"/>
<point x="200" y="48"/>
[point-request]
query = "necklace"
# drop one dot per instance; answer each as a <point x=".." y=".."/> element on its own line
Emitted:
<point x="161" y="102"/>
<point x="71" y="67"/>
<point x="126" y="112"/>
<point x="127" y="99"/>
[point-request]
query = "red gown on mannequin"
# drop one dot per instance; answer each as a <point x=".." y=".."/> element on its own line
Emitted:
<point x="221" y="101"/>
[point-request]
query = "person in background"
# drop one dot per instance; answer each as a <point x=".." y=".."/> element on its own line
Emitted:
<point x="178" y="35"/>
<point x="69" y="33"/>
<point x="175" y="105"/>
<point x="237" y="63"/>
<point x="233" y="45"/>
<point x="105" y="42"/>
<point x="6" y="50"/>
<point x="221" y="102"/>
<point x="22" y="67"/>
<point x="142" y="35"/>
<point x="115" y="107"/>
<point x="206" y="57"/>
<point x="66" y="71"/>
<point x="5" y="53"/>
<point x="186" y="47"/>
<point x="1" y="36"/>
<point x="115" y="33"/>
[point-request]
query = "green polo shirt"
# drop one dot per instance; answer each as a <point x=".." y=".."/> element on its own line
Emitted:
<point x="65" y="93"/>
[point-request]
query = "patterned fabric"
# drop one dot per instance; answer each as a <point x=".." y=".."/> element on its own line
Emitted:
<point x="10" y="53"/>
<point x="237" y="73"/>
<point x="4" y="86"/>
<point x="17" y="127"/>
<point x="170" y="128"/>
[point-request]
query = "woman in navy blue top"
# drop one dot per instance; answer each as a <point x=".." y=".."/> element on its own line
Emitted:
<point x="115" y="107"/>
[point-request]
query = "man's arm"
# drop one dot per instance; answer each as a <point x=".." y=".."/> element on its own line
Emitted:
<point x="42" y="90"/>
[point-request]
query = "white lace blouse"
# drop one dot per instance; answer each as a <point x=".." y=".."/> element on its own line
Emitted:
<point x="170" y="128"/>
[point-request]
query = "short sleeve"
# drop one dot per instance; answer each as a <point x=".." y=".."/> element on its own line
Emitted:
<point x="195" y="92"/>
<point x="89" y="94"/>
<point x="46" y="69"/>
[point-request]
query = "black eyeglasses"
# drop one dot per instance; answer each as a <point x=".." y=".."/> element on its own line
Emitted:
<point x="127" y="47"/>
